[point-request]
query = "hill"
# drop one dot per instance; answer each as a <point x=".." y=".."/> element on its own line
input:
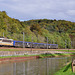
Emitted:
<point x="57" y="31"/>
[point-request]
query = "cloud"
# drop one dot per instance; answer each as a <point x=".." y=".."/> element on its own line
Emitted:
<point x="35" y="9"/>
<point x="71" y="12"/>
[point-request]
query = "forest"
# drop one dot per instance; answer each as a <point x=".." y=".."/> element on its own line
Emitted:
<point x="57" y="31"/>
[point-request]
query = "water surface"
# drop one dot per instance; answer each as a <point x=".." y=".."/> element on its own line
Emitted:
<point x="45" y="66"/>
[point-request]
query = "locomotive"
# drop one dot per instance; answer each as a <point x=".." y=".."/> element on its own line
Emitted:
<point x="6" y="42"/>
<point x="11" y="42"/>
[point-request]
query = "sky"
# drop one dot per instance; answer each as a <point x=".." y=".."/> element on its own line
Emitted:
<point x="24" y="10"/>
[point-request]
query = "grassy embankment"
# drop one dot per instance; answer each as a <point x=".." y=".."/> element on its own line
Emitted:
<point x="67" y="70"/>
<point x="56" y="55"/>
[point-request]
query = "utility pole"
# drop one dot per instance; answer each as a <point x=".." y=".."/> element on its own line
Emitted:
<point x="3" y="34"/>
<point x="31" y="44"/>
<point x="68" y="46"/>
<point x="65" y="44"/>
<point x="53" y="41"/>
<point x="71" y="44"/>
<point x="23" y="41"/>
<point x="47" y="42"/>
<point x="37" y="36"/>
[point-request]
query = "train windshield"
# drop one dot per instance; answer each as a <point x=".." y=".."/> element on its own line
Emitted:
<point x="7" y="40"/>
<point x="1" y="39"/>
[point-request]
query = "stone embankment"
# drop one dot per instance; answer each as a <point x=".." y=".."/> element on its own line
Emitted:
<point x="73" y="65"/>
<point x="13" y="59"/>
<point x="14" y="53"/>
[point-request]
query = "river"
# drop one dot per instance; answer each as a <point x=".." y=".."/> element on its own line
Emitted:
<point x="43" y="66"/>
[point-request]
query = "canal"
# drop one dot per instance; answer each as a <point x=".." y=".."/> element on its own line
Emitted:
<point x="44" y="66"/>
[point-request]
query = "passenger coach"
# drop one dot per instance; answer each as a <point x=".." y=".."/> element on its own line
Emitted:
<point x="34" y="45"/>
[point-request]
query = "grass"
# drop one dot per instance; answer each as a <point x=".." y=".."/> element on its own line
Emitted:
<point x="66" y="50"/>
<point x="12" y="56"/>
<point x="9" y="50"/>
<point x="17" y="56"/>
<point x="55" y="55"/>
<point x="67" y="70"/>
<point x="46" y="55"/>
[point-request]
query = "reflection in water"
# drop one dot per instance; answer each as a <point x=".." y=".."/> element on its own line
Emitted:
<point x="46" y="66"/>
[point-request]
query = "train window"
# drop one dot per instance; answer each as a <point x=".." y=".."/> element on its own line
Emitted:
<point x="27" y="43"/>
<point x="0" y="39"/>
<point x="6" y="40"/>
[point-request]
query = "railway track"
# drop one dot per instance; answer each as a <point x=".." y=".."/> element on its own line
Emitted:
<point x="31" y="48"/>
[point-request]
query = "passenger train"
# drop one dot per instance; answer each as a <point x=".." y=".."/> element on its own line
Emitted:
<point x="11" y="42"/>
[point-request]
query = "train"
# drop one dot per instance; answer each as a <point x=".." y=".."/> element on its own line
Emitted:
<point x="6" y="42"/>
<point x="14" y="43"/>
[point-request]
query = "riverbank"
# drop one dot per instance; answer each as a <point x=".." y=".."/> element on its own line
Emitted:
<point x="10" y="54"/>
<point x="26" y="57"/>
<point x="17" y="58"/>
<point x="67" y="70"/>
<point x="56" y="55"/>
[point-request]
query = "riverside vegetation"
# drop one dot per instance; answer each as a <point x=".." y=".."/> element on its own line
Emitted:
<point x="57" y="31"/>
<point x="67" y="70"/>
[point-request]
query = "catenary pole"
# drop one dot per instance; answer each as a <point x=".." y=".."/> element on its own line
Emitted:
<point x="23" y="41"/>
<point x="65" y="44"/>
<point x="3" y="34"/>
<point x="47" y="42"/>
<point x="31" y="43"/>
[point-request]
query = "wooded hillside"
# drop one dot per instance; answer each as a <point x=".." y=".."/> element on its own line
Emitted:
<point x="57" y="31"/>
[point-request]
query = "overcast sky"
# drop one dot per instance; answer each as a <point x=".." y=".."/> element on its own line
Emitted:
<point x="39" y="9"/>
